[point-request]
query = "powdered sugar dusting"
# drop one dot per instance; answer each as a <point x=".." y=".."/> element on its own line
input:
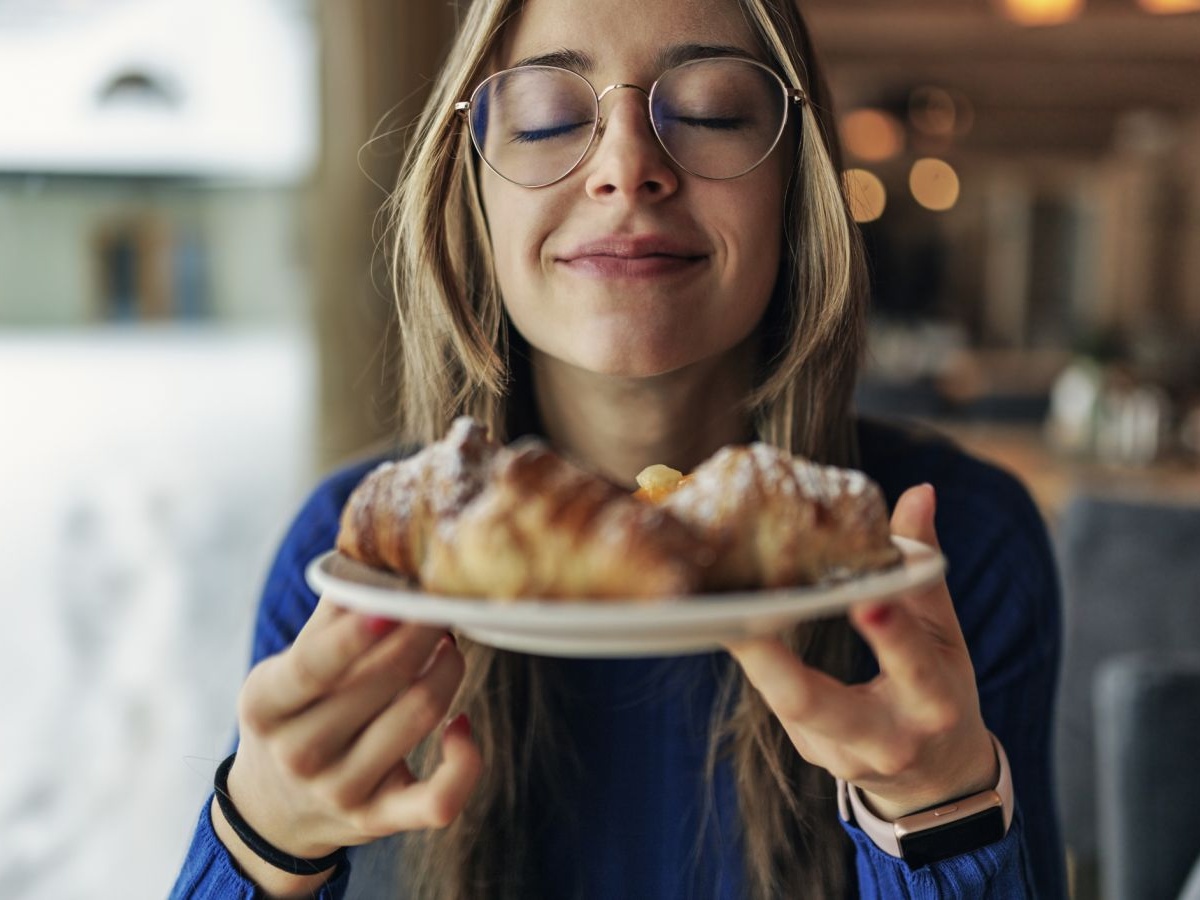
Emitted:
<point x="828" y="483"/>
<point x="458" y="465"/>
<point x="460" y="462"/>
<point x="734" y="473"/>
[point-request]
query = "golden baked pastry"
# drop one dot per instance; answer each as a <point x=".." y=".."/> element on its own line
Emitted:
<point x="389" y="517"/>
<point x="467" y="517"/>
<point x="776" y="520"/>
<point x="543" y="527"/>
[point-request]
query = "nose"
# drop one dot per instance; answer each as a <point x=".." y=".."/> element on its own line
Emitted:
<point x="628" y="161"/>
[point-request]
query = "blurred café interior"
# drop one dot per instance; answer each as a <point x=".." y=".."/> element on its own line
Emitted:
<point x="194" y="325"/>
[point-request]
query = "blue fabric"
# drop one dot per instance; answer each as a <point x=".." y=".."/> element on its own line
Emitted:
<point x="997" y="872"/>
<point x="639" y="726"/>
<point x="209" y="870"/>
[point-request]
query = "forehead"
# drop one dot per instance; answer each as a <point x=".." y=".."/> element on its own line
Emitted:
<point x="624" y="34"/>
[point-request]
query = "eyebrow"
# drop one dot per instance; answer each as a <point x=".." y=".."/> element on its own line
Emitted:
<point x="583" y="63"/>
<point x="575" y="60"/>
<point x="681" y="53"/>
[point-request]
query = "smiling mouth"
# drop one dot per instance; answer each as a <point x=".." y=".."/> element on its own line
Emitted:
<point x="649" y="265"/>
<point x="632" y="257"/>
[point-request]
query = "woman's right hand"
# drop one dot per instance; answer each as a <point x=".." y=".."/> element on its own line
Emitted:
<point x="325" y="728"/>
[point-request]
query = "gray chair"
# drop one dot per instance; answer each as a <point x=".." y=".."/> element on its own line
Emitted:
<point x="1147" y="708"/>
<point x="1191" y="890"/>
<point x="1131" y="582"/>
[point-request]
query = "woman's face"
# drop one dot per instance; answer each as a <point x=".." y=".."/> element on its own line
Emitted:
<point x="630" y="266"/>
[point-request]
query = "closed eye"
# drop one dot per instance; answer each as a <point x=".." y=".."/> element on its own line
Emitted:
<point x="715" y="123"/>
<point x="534" y="135"/>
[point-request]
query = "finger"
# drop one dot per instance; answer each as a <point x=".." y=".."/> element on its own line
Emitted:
<point x="311" y="740"/>
<point x="910" y="637"/>
<point x="914" y="518"/>
<point x="325" y="612"/>
<point x="436" y="802"/>
<point x="403" y="654"/>
<point x="322" y="653"/>
<point x="914" y="515"/>
<point x="402" y="726"/>
<point x="920" y="673"/>
<point x="802" y="696"/>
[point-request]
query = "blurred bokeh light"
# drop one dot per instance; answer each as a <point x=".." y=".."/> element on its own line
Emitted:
<point x="872" y="135"/>
<point x="1169" y="7"/>
<point x="1042" y="12"/>
<point x="941" y="113"/>
<point x="868" y="196"/>
<point x="934" y="184"/>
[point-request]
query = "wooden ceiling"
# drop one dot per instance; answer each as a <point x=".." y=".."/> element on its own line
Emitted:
<point x="1057" y="91"/>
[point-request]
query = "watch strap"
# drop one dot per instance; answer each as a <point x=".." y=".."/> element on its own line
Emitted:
<point x="883" y="834"/>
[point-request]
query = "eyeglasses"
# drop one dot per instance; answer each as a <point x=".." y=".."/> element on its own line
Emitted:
<point x="715" y="118"/>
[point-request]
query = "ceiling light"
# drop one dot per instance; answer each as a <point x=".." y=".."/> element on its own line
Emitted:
<point x="934" y="184"/>
<point x="872" y="135"/>
<point x="1166" y="7"/>
<point x="868" y="196"/>
<point x="1042" y="12"/>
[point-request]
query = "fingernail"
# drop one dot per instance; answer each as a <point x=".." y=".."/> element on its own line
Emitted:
<point x="932" y="491"/>
<point x="878" y="616"/>
<point x="378" y="625"/>
<point x="460" y="723"/>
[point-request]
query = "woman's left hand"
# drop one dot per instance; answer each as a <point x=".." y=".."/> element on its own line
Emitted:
<point x="913" y="736"/>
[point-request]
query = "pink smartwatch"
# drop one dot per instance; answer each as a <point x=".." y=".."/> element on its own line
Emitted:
<point x="941" y="831"/>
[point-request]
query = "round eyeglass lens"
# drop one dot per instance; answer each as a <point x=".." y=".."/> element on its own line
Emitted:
<point x="719" y="118"/>
<point x="533" y="124"/>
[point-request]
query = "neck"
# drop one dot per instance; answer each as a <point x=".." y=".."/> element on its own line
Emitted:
<point x="618" y="426"/>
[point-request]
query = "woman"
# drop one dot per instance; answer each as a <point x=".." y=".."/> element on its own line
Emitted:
<point x="647" y="291"/>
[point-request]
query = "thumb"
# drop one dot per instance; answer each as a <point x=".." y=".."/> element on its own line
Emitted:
<point x="914" y="514"/>
<point x="913" y="518"/>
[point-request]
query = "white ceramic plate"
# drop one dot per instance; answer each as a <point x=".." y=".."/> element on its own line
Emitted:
<point x="608" y="628"/>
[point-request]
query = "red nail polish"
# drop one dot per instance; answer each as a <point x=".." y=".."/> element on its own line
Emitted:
<point x="379" y="626"/>
<point x="878" y="616"/>
<point x="460" y="723"/>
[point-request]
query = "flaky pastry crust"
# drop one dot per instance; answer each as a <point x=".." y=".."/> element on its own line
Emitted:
<point x="389" y="518"/>
<point x="775" y="520"/>
<point x="546" y="528"/>
<point x="467" y="517"/>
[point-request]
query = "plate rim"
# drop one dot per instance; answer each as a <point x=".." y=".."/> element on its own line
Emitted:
<point x="921" y="565"/>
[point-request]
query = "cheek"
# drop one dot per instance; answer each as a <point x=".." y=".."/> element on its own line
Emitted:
<point x="754" y="243"/>
<point x="515" y="227"/>
<point x="504" y="247"/>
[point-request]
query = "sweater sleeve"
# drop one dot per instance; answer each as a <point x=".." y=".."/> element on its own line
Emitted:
<point x="997" y="871"/>
<point x="1002" y="576"/>
<point x="208" y="870"/>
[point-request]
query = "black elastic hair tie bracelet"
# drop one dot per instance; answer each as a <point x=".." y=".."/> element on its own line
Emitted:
<point x="264" y="849"/>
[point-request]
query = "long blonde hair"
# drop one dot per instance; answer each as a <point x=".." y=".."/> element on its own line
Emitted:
<point x="456" y="357"/>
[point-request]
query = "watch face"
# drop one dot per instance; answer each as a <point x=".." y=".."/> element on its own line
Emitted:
<point x="963" y="835"/>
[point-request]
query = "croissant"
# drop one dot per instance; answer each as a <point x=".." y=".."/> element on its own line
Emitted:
<point x="389" y="518"/>
<point x="467" y="517"/>
<point x="776" y="520"/>
<point x="543" y="527"/>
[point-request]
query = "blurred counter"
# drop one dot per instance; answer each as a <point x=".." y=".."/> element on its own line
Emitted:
<point x="1054" y="478"/>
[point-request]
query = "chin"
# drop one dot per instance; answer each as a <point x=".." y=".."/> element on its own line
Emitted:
<point x="624" y="363"/>
<point x="625" y="370"/>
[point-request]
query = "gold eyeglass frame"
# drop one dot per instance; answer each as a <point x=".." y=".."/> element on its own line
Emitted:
<point x="790" y="94"/>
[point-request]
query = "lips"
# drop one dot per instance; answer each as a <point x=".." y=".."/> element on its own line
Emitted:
<point x="632" y="256"/>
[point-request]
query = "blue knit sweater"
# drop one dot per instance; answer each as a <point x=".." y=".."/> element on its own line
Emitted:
<point x="640" y="820"/>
